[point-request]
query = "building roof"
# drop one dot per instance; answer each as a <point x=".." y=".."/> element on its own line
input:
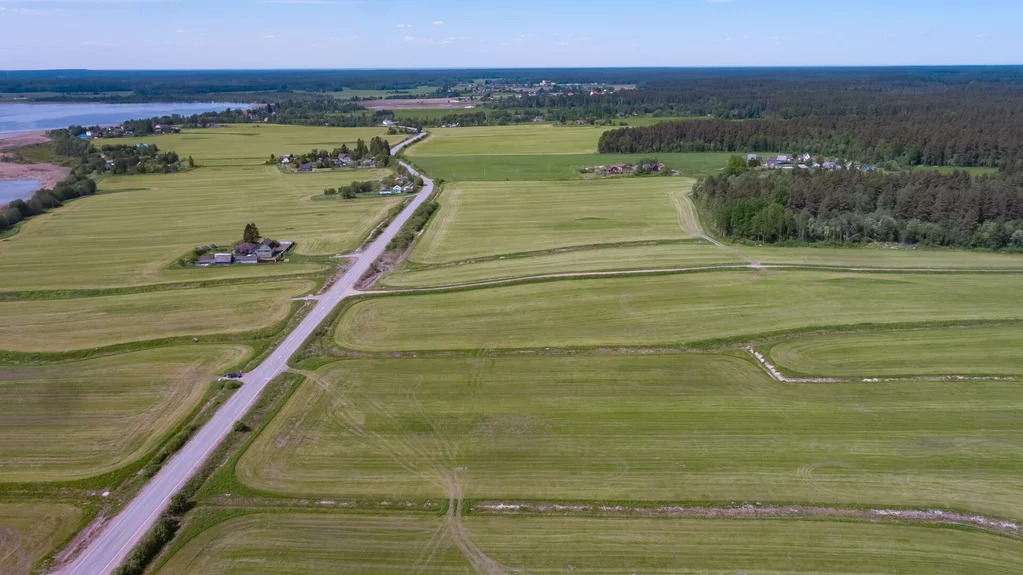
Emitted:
<point x="205" y="259"/>
<point x="267" y="242"/>
<point x="244" y="248"/>
<point x="246" y="259"/>
<point x="222" y="258"/>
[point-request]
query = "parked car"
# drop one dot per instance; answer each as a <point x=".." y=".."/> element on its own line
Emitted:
<point x="235" y="374"/>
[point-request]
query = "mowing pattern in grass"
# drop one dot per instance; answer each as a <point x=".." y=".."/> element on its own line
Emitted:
<point x="31" y="531"/>
<point x="85" y="418"/>
<point x="557" y="166"/>
<point x="934" y="352"/>
<point x="129" y="238"/>
<point x="539" y="139"/>
<point x="319" y="543"/>
<point x="671" y="309"/>
<point x="735" y="546"/>
<point x="689" y="427"/>
<point x="674" y="255"/>
<point x="316" y="543"/>
<point x="250" y="144"/>
<point x="884" y="258"/>
<point x="499" y="218"/>
<point x="82" y="323"/>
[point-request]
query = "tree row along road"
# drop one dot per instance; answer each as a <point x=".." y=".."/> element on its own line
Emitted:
<point x="117" y="538"/>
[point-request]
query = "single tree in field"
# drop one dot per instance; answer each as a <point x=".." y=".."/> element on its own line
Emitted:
<point x="251" y="234"/>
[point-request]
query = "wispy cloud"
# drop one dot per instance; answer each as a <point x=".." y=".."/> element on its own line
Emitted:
<point x="438" y="22"/>
<point x="403" y="25"/>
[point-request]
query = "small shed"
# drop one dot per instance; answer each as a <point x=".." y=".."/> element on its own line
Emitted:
<point x="247" y="259"/>
<point x="219" y="259"/>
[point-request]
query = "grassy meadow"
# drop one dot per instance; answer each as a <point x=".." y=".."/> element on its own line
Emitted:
<point x="536" y="139"/>
<point x="92" y="322"/>
<point x="30" y="531"/>
<point x="671" y="309"/>
<point x="316" y="542"/>
<point x="691" y="253"/>
<point x="502" y="218"/>
<point x="84" y="418"/>
<point x="684" y="427"/>
<point x="172" y="213"/>
<point x="876" y="257"/>
<point x="974" y="351"/>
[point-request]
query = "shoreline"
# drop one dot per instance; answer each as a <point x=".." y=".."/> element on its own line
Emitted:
<point x="47" y="174"/>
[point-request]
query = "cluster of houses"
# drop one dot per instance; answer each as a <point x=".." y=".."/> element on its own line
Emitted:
<point x="619" y="169"/>
<point x="804" y="162"/>
<point x="401" y="184"/>
<point x="266" y="251"/>
<point x="119" y="131"/>
<point x="341" y="161"/>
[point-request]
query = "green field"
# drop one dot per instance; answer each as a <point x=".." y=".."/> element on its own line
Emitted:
<point x="993" y="351"/>
<point x="85" y="418"/>
<point x="539" y="139"/>
<point x="500" y="218"/>
<point x="689" y="427"/>
<point x="252" y="144"/>
<point x="318" y="543"/>
<point x="650" y="256"/>
<point x="868" y="257"/>
<point x="91" y="243"/>
<point x="91" y="322"/>
<point x="671" y="309"/>
<point x="527" y="167"/>
<point x="30" y="531"/>
<point x="578" y="545"/>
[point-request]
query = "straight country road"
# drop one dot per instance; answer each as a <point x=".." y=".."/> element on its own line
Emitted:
<point x="117" y="538"/>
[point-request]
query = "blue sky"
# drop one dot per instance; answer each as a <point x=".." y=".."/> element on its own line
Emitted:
<point x="154" y="34"/>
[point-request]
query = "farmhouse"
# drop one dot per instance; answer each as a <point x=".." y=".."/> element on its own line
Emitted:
<point x="305" y="168"/>
<point x="267" y="250"/>
<point x="222" y="259"/>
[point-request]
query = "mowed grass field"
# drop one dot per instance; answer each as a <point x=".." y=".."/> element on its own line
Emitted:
<point x="130" y="236"/>
<point x="252" y="144"/>
<point x="976" y="351"/>
<point x="530" y="167"/>
<point x="30" y="531"/>
<point x="538" y="139"/>
<point x="686" y="427"/>
<point x="319" y="543"/>
<point x="91" y="322"/>
<point x="85" y="418"/>
<point x="501" y="218"/>
<point x="671" y="309"/>
<point x="868" y="257"/>
<point x="652" y="256"/>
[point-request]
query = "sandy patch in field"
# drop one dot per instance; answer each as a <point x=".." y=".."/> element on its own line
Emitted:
<point x="416" y="104"/>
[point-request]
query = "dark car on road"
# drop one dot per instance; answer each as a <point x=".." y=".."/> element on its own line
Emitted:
<point x="235" y="374"/>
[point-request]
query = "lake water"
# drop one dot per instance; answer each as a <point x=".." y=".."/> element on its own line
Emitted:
<point x="23" y="117"/>
<point x="11" y="190"/>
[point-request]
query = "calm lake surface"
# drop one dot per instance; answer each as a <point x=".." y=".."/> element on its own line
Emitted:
<point x="11" y="190"/>
<point x="24" y="117"/>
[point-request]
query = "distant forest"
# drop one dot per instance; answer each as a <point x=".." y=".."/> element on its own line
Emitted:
<point x="845" y="206"/>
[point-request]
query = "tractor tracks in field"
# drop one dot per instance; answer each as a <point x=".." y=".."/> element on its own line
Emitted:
<point x="428" y="454"/>
<point x="940" y="517"/>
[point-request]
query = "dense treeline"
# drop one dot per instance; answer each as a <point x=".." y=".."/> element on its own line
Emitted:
<point x="968" y="137"/>
<point x="793" y="93"/>
<point x="851" y="206"/>
<point x="140" y="159"/>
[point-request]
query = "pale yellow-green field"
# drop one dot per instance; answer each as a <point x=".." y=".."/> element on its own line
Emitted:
<point x="84" y="418"/>
<point x="490" y="218"/>
<point x="30" y="531"/>
<point x="534" y="139"/>
<point x="91" y="322"/>
<point x="131" y="236"/>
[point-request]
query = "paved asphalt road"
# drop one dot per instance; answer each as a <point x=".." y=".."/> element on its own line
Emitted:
<point x="117" y="538"/>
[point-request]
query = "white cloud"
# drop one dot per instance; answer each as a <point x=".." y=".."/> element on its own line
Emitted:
<point x="403" y="25"/>
<point x="268" y="36"/>
<point x="438" y="22"/>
